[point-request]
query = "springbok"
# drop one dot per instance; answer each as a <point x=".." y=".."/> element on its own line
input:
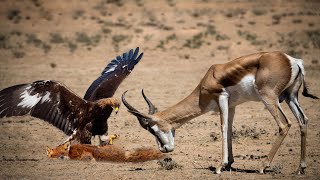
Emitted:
<point x="270" y="77"/>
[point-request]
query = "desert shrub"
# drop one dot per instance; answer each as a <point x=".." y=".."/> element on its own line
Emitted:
<point x="234" y="12"/>
<point x="169" y="38"/>
<point x="77" y="14"/>
<point x="116" y="2"/>
<point x="45" y="14"/>
<point x="13" y="14"/>
<point x="195" y="42"/>
<point x="297" y="21"/>
<point x="4" y="41"/>
<point x="72" y="46"/>
<point x="83" y="38"/>
<point x="138" y="30"/>
<point x="171" y="3"/>
<point x="119" y="38"/>
<point x="46" y="47"/>
<point x="169" y="164"/>
<point x="18" y="54"/>
<point x="222" y="37"/>
<point x="139" y="3"/>
<point x="211" y="30"/>
<point x="276" y="19"/>
<point x="53" y="65"/>
<point x="87" y="40"/>
<point x="106" y="30"/>
<point x="36" y="3"/>
<point x="252" y="22"/>
<point x="221" y="47"/>
<point x="215" y="136"/>
<point x="247" y="35"/>
<point x="16" y="33"/>
<point x="56" y="38"/>
<point x="33" y="39"/>
<point x="100" y="7"/>
<point x="314" y="36"/>
<point x="259" y="11"/>
<point x="247" y="131"/>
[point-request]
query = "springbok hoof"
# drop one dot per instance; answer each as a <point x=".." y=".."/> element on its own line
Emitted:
<point x="223" y="168"/>
<point x="262" y="171"/>
<point x="218" y="170"/>
<point x="301" y="170"/>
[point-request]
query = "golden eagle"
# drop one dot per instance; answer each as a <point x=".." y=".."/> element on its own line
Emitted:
<point x="79" y="117"/>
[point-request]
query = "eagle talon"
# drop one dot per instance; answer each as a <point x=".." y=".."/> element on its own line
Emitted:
<point x="112" y="137"/>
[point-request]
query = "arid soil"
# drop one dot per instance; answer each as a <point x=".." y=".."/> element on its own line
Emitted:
<point x="72" y="41"/>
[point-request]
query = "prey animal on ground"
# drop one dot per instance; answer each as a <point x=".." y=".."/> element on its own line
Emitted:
<point x="269" y="77"/>
<point x="103" y="153"/>
<point x="80" y="118"/>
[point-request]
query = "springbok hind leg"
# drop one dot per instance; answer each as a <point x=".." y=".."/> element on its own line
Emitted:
<point x="284" y="124"/>
<point x="303" y="122"/>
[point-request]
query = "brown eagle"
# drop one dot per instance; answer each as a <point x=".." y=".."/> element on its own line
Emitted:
<point x="52" y="101"/>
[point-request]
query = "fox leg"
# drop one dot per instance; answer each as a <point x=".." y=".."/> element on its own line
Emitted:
<point x="70" y="138"/>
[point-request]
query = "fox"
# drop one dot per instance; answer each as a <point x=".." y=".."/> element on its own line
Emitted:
<point x="109" y="153"/>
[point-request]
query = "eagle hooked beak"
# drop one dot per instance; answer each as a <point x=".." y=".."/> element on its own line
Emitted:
<point x="116" y="109"/>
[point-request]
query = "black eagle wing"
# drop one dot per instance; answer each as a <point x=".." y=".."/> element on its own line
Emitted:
<point x="112" y="76"/>
<point x="47" y="100"/>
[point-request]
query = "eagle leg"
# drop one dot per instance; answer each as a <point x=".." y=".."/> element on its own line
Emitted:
<point x="107" y="140"/>
<point x="112" y="137"/>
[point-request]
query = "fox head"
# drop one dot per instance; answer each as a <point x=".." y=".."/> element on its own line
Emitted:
<point x="60" y="151"/>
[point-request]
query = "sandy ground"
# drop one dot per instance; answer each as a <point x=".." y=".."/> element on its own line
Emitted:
<point x="72" y="41"/>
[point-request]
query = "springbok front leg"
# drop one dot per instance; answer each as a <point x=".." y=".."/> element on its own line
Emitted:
<point x="226" y="116"/>
<point x="272" y="104"/>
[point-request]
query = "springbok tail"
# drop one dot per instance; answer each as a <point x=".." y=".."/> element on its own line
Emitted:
<point x="305" y="92"/>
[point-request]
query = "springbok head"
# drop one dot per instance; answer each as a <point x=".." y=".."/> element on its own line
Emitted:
<point x="161" y="130"/>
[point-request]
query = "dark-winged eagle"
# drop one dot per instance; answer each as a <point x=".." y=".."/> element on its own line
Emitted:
<point x="52" y="101"/>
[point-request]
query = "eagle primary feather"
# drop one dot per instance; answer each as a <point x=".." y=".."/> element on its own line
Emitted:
<point x="111" y="77"/>
<point x="55" y="103"/>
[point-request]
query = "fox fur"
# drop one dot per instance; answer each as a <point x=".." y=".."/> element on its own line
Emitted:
<point x="103" y="153"/>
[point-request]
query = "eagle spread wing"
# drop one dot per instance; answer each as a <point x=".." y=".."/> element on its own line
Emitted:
<point x="111" y="77"/>
<point x="47" y="100"/>
<point x="56" y="104"/>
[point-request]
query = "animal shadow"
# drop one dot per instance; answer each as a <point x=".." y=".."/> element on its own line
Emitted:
<point x="251" y="171"/>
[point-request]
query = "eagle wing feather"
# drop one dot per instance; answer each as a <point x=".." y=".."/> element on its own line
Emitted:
<point x="47" y="100"/>
<point x="112" y="76"/>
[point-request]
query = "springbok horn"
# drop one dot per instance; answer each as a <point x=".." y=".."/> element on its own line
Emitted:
<point x="141" y="118"/>
<point x="152" y="108"/>
<point x="126" y="103"/>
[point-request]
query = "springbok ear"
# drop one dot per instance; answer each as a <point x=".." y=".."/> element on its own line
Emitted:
<point x="49" y="150"/>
